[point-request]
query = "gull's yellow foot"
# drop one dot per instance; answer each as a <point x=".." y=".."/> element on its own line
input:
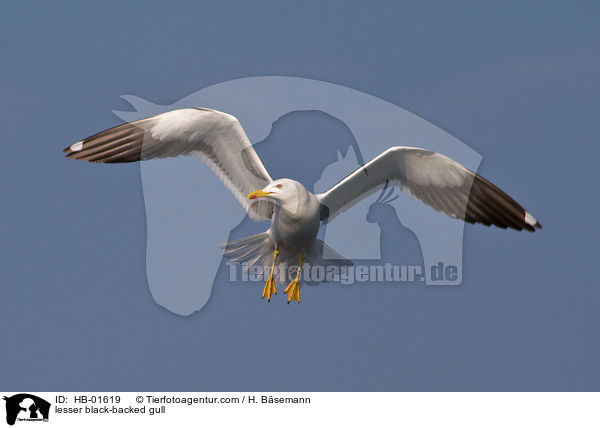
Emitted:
<point x="270" y="288"/>
<point x="293" y="290"/>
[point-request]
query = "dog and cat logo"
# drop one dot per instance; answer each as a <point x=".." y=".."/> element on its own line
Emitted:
<point x="26" y="407"/>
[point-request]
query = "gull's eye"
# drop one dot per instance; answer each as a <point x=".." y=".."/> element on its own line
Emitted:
<point x="279" y="186"/>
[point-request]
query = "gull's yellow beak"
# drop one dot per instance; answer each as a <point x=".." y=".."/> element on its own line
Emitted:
<point x="258" y="194"/>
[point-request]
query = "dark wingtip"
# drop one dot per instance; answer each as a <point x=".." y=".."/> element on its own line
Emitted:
<point x="532" y="228"/>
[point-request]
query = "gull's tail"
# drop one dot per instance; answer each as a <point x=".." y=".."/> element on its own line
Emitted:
<point x="256" y="250"/>
<point x="322" y="254"/>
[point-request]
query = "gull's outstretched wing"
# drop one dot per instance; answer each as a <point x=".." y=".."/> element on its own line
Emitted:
<point x="435" y="179"/>
<point x="215" y="137"/>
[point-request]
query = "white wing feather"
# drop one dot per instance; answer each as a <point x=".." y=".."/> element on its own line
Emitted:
<point x="215" y="137"/>
<point x="435" y="179"/>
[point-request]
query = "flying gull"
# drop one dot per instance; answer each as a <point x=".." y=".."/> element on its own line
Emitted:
<point x="295" y="213"/>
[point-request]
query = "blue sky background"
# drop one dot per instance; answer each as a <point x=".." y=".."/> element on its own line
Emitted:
<point x="518" y="83"/>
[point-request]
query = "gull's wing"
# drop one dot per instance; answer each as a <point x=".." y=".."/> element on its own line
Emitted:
<point x="215" y="137"/>
<point x="435" y="179"/>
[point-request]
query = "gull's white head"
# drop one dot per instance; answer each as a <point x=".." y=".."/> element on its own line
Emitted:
<point x="287" y="193"/>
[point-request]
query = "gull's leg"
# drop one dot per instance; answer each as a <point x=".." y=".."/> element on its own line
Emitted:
<point x="270" y="285"/>
<point x="293" y="290"/>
